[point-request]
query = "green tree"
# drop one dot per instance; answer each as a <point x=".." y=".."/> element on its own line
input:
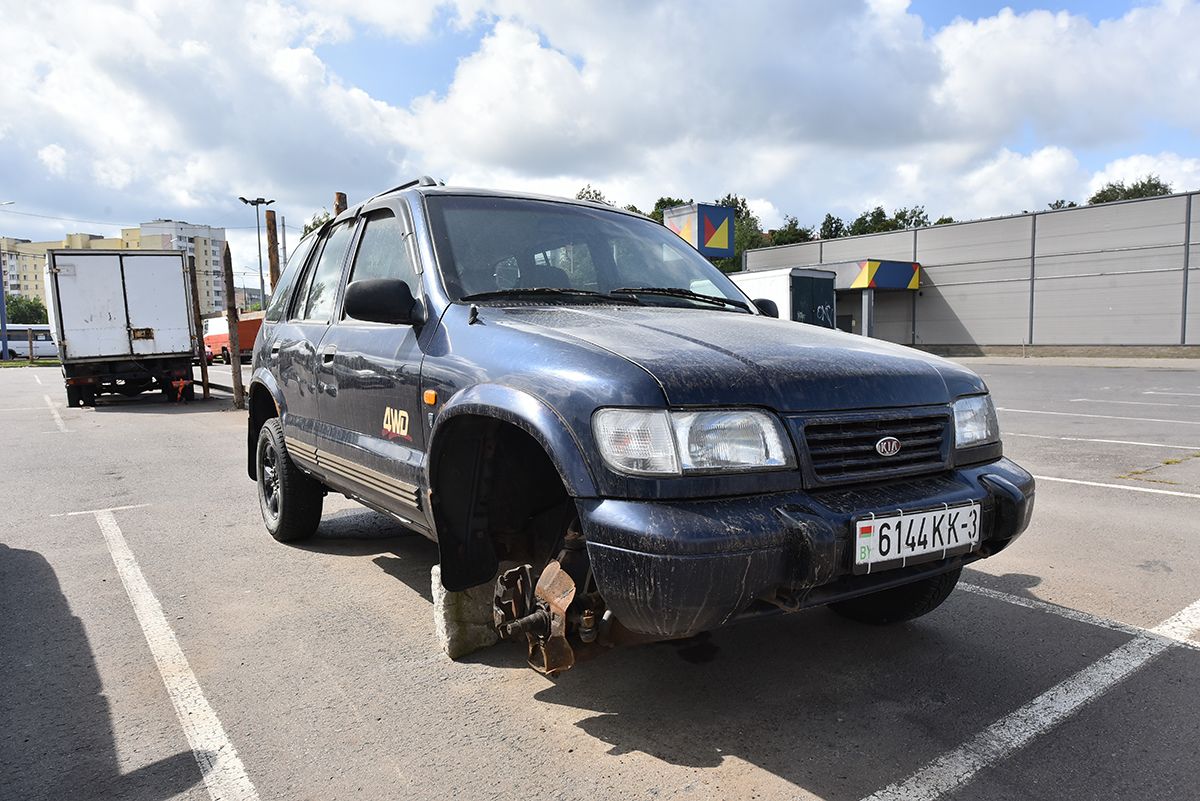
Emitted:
<point x="634" y="209"/>
<point x="1061" y="204"/>
<point x="945" y="219"/>
<point x="872" y="222"/>
<point x="316" y="222"/>
<point x="592" y="194"/>
<point x="746" y="232"/>
<point x="790" y="233"/>
<point x="831" y="227"/>
<point x="25" y="311"/>
<point x="910" y="218"/>
<point x="1150" y="186"/>
<point x="666" y="203"/>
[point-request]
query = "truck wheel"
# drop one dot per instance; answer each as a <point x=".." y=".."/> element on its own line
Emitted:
<point x="290" y="500"/>
<point x="900" y="603"/>
<point x="73" y="397"/>
<point x="89" y="396"/>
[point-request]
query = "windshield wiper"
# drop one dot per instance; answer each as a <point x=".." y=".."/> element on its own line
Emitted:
<point x="514" y="292"/>
<point x="677" y="292"/>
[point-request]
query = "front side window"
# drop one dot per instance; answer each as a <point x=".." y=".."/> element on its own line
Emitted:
<point x="496" y="244"/>
<point x="382" y="252"/>
<point x="325" y="274"/>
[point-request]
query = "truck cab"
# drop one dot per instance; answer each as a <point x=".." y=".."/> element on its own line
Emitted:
<point x="601" y="430"/>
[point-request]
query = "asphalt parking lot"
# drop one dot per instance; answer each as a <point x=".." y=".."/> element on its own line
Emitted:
<point x="151" y="626"/>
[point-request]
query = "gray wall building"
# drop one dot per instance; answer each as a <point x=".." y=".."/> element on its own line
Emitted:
<point x="1125" y="273"/>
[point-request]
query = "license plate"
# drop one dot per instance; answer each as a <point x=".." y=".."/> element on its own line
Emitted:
<point x="897" y="539"/>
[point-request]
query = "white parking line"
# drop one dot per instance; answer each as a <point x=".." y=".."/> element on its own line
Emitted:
<point x="58" y="421"/>
<point x="1187" y="394"/>
<point x="1136" y="403"/>
<point x="1107" y="441"/>
<point x="37" y="378"/>
<point x="224" y="775"/>
<point x="1016" y="730"/>
<point x="1100" y="416"/>
<point x="1151" y="490"/>
<point x="97" y="511"/>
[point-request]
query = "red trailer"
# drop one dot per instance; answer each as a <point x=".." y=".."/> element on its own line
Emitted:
<point x="216" y="335"/>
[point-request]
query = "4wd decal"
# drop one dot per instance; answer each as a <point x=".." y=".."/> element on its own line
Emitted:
<point x="395" y="423"/>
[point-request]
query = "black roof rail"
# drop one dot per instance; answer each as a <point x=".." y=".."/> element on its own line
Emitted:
<point x="424" y="180"/>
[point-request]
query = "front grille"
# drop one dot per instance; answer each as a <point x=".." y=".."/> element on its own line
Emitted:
<point x="843" y="450"/>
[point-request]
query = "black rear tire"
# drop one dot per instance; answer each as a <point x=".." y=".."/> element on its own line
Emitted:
<point x="900" y="603"/>
<point x="290" y="499"/>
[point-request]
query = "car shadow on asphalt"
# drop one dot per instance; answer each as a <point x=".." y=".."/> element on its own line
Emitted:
<point x="57" y="738"/>
<point x="154" y="403"/>
<point x="839" y="708"/>
<point x="400" y="552"/>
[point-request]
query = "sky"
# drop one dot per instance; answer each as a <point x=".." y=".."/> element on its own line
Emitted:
<point x="116" y="113"/>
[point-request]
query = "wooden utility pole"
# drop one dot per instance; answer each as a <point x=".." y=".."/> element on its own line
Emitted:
<point x="197" y="325"/>
<point x="231" y="316"/>
<point x="339" y="203"/>
<point x="272" y="253"/>
<point x="283" y="235"/>
<point x="29" y="331"/>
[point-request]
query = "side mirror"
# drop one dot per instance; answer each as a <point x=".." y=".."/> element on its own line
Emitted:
<point x="383" y="300"/>
<point x="767" y="307"/>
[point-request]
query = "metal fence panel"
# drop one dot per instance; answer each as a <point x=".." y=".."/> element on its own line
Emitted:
<point x="977" y="242"/>
<point x="893" y="245"/>
<point x="988" y="272"/>
<point x="800" y="255"/>
<point x="1133" y="309"/>
<point x="1193" y="298"/>
<point x="1112" y="225"/>
<point x="995" y="313"/>
<point x="1113" y="261"/>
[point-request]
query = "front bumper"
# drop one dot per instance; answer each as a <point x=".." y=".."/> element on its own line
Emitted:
<point x="676" y="568"/>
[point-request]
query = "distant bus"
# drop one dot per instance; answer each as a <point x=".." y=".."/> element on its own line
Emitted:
<point x="44" y="346"/>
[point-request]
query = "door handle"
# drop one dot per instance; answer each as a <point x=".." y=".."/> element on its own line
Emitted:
<point x="327" y="353"/>
<point x="274" y="348"/>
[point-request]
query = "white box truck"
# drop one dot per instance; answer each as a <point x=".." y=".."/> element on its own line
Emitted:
<point x="801" y="294"/>
<point x="123" y="322"/>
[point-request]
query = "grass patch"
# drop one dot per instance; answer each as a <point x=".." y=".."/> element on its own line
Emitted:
<point x="35" y="363"/>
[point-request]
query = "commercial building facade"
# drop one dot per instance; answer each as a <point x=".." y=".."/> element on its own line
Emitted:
<point x="1114" y="274"/>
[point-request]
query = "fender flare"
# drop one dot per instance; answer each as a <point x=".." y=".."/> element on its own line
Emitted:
<point x="467" y="560"/>
<point x="528" y="413"/>
<point x="260" y="378"/>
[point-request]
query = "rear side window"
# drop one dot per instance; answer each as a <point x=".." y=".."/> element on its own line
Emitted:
<point x="382" y="252"/>
<point x="283" y="290"/>
<point x="315" y="301"/>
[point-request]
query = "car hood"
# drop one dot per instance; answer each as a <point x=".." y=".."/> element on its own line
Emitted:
<point x="716" y="358"/>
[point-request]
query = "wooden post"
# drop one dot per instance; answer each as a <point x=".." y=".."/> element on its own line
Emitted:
<point x="197" y="325"/>
<point x="29" y="331"/>
<point x="339" y="203"/>
<point x="283" y="235"/>
<point x="231" y="316"/>
<point x="272" y="253"/>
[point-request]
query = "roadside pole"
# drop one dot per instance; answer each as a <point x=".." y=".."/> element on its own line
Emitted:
<point x="197" y="325"/>
<point x="272" y="253"/>
<point x="29" y="331"/>
<point x="339" y="203"/>
<point x="231" y="316"/>
<point x="283" y="235"/>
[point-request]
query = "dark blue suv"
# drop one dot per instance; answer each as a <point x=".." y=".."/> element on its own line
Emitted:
<point x="587" y="415"/>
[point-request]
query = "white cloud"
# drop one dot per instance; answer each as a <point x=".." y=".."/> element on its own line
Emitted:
<point x="1182" y="173"/>
<point x="54" y="157"/>
<point x="830" y="105"/>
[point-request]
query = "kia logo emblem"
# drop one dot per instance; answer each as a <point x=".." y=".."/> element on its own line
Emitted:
<point x="888" y="446"/>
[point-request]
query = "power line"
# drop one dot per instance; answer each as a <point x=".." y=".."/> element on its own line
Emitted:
<point x="127" y="225"/>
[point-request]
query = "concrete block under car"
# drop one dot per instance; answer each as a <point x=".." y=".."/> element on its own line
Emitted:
<point x="462" y="620"/>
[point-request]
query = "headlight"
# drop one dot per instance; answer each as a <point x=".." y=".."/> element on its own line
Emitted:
<point x="644" y="442"/>
<point x="975" y="422"/>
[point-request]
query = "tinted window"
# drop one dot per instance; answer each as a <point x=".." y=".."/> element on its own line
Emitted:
<point x="322" y="284"/>
<point x="283" y="290"/>
<point x="382" y="252"/>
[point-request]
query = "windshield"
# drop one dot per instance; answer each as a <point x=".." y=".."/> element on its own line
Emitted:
<point x="489" y="245"/>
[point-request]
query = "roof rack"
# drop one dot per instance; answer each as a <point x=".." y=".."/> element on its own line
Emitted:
<point x="424" y="180"/>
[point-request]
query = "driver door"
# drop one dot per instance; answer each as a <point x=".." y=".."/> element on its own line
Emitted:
<point x="370" y="377"/>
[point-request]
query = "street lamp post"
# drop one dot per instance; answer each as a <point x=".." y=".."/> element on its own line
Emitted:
<point x="3" y="301"/>
<point x="262" y="284"/>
